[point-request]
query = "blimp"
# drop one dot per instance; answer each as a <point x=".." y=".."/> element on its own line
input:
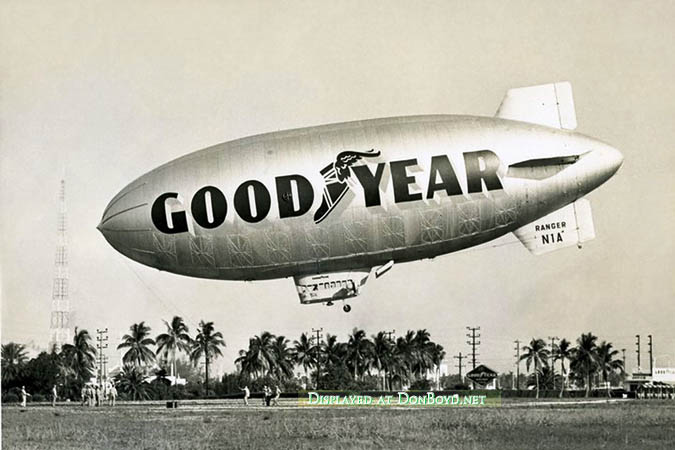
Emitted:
<point x="336" y="205"/>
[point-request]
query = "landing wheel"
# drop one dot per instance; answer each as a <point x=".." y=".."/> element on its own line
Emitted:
<point x="329" y="303"/>
<point x="346" y="308"/>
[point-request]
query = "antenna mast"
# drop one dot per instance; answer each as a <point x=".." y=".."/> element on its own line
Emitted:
<point x="59" y="328"/>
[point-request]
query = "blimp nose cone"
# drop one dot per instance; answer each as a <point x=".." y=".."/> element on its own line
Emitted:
<point x="124" y="220"/>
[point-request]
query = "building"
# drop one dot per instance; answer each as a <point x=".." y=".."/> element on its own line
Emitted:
<point x="482" y="377"/>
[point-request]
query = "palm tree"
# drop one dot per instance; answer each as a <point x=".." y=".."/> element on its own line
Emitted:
<point x="13" y="358"/>
<point x="333" y="369"/>
<point x="258" y="360"/>
<point x="80" y="355"/>
<point x="585" y="358"/>
<point x="563" y="351"/>
<point x="161" y="384"/>
<point x="207" y="343"/>
<point x="437" y="356"/>
<point x="398" y="374"/>
<point x="248" y="363"/>
<point x="535" y="354"/>
<point x="65" y="372"/>
<point x="334" y="352"/>
<point x="138" y="343"/>
<point x="262" y="346"/>
<point x="404" y="357"/>
<point x="176" y="339"/>
<point x="131" y="382"/>
<point x="547" y="378"/>
<point x="423" y="350"/>
<point x="382" y="352"/>
<point x="303" y="353"/>
<point x="282" y="359"/>
<point x="606" y="362"/>
<point x="358" y="351"/>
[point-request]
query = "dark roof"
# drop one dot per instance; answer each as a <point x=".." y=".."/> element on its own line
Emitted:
<point x="482" y="368"/>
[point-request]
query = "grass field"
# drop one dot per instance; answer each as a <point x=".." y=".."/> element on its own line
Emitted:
<point x="516" y="425"/>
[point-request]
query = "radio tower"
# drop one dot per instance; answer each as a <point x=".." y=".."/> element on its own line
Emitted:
<point x="59" y="327"/>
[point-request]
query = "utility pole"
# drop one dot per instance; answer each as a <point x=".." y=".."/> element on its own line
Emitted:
<point x="638" y="352"/>
<point x="623" y="353"/>
<point x="473" y="343"/>
<point x="317" y="346"/>
<point x="105" y="366"/>
<point x="553" y="339"/>
<point x="386" y="381"/>
<point x="459" y="365"/>
<point x="517" y="342"/>
<point x="101" y="344"/>
<point x="651" y="359"/>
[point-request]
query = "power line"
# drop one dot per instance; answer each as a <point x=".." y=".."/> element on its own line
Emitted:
<point x="553" y="339"/>
<point x="651" y="359"/>
<point x="101" y="344"/>
<point x="172" y="308"/>
<point x="317" y="346"/>
<point x="473" y="343"/>
<point x="105" y="367"/>
<point x="517" y="355"/>
<point x="638" y="352"/>
<point x="459" y="365"/>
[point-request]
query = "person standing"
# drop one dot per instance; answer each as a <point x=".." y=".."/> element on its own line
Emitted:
<point x="24" y="396"/>
<point x="277" y="394"/>
<point x="112" y="394"/>
<point x="266" y="393"/>
<point x="97" y="395"/>
<point x="83" y="394"/>
<point x="247" y="394"/>
<point x="55" y="395"/>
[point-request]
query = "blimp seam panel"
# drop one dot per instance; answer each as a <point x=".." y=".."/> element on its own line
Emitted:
<point x="400" y="254"/>
<point x="250" y="140"/>
<point x="120" y="196"/>
<point x="140" y="250"/>
<point x="122" y="212"/>
<point x="126" y="230"/>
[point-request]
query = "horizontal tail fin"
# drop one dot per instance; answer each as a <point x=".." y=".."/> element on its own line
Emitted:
<point x="571" y="225"/>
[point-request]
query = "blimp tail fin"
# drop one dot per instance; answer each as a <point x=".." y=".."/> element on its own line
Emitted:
<point x="551" y="105"/>
<point x="571" y="225"/>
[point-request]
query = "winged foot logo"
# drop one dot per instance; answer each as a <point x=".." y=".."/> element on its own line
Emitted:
<point x="336" y="175"/>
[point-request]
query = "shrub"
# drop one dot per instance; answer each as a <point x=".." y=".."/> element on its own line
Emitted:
<point x="10" y="397"/>
<point x="420" y="385"/>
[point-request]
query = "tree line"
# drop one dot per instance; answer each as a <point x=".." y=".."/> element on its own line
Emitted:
<point x="587" y="361"/>
<point x="378" y="362"/>
<point x="75" y="364"/>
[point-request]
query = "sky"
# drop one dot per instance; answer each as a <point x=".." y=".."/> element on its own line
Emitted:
<point x="106" y="91"/>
